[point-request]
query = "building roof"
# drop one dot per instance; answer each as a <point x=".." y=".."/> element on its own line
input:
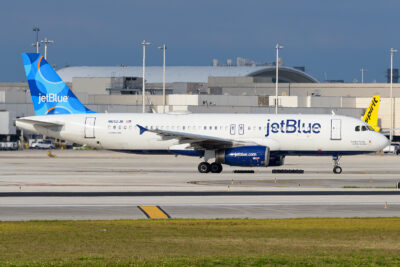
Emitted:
<point x="183" y="73"/>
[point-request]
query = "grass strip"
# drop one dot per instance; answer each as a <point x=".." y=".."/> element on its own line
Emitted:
<point x="175" y="242"/>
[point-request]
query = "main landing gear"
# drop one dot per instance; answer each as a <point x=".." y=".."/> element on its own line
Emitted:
<point x="205" y="167"/>
<point x="336" y="168"/>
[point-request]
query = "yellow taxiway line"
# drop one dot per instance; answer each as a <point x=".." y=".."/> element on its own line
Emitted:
<point x="154" y="212"/>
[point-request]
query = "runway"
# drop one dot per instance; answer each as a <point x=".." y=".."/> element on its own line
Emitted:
<point x="200" y="193"/>
<point x="107" y="185"/>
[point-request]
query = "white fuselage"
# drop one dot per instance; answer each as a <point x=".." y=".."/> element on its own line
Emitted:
<point x="284" y="134"/>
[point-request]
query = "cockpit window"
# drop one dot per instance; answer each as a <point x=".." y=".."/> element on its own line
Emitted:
<point x="363" y="128"/>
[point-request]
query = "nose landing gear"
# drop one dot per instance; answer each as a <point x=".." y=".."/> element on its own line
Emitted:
<point x="205" y="167"/>
<point x="336" y="168"/>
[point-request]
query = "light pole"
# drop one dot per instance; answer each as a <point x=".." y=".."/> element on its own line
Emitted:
<point x="362" y="74"/>
<point x="277" y="76"/>
<point x="37" y="44"/>
<point x="46" y="42"/>
<point x="163" y="47"/>
<point x="144" y="44"/>
<point x="392" y="51"/>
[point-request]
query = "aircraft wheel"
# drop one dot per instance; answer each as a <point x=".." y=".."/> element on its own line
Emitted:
<point x="204" y="167"/>
<point x="216" y="167"/>
<point x="337" y="169"/>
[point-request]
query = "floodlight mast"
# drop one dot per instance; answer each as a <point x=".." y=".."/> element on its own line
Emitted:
<point x="277" y="76"/>
<point x="46" y="42"/>
<point x="163" y="47"/>
<point x="37" y="44"/>
<point x="392" y="51"/>
<point x="144" y="44"/>
<point x="362" y="74"/>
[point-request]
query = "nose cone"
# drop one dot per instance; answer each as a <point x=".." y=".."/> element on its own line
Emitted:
<point x="382" y="142"/>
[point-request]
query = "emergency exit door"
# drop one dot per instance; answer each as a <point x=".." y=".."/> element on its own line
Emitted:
<point x="336" y="129"/>
<point x="89" y="127"/>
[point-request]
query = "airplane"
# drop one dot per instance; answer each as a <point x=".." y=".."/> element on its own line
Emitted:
<point x="250" y="140"/>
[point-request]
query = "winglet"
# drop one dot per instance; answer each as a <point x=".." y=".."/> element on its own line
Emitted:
<point x="142" y="129"/>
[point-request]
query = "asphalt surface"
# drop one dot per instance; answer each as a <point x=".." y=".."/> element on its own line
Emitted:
<point x="77" y="185"/>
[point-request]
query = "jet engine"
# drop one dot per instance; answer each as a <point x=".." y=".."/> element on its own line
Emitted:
<point x="246" y="156"/>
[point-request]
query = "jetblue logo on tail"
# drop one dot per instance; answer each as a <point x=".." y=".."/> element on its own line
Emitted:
<point x="52" y="98"/>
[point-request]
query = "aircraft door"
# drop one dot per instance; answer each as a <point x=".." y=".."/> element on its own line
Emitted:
<point x="336" y="129"/>
<point x="90" y="123"/>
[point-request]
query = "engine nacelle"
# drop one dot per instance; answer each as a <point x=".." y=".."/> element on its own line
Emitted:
<point x="276" y="161"/>
<point x="246" y="156"/>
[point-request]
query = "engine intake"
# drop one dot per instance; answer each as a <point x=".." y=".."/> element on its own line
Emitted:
<point x="246" y="156"/>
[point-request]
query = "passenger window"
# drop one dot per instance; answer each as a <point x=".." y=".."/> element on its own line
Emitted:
<point x="183" y="127"/>
<point x="249" y="128"/>
<point x="363" y="128"/>
<point x="205" y="127"/>
<point x="357" y="128"/>
<point x="210" y="127"/>
<point x="259" y="128"/>
<point x="216" y="127"/>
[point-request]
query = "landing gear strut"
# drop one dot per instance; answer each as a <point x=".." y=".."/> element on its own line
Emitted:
<point x="205" y="167"/>
<point x="336" y="168"/>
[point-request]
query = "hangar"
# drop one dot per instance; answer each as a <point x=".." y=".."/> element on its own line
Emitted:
<point x="189" y="74"/>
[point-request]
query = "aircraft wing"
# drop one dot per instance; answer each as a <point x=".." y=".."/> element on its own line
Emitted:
<point x="197" y="141"/>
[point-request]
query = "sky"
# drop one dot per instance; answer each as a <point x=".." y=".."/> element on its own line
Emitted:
<point x="332" y="39"/>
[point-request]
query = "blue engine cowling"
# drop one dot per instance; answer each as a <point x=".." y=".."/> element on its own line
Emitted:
<point x="246" y="156"/>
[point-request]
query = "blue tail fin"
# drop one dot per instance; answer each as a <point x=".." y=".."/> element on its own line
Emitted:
<point x="50" y="95"/>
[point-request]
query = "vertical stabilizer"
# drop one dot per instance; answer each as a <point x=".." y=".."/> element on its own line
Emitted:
<point x="371" y="114"/>
<point x="50" y="95"/>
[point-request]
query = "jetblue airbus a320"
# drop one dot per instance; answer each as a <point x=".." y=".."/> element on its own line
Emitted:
<point x="234" y="139"/>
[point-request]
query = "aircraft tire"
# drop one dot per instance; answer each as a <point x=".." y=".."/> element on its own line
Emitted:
<point x="204" y="167"/>
<point x="216" y="167"/>
<point x="337" y="169"/>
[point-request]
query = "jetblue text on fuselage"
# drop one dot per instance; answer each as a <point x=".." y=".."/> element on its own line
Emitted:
<point x="292" y="126"/>
<point x="52" y="98"/>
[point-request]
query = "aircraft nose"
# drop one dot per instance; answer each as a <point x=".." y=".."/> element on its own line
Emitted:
<point x="382" y="142"/>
